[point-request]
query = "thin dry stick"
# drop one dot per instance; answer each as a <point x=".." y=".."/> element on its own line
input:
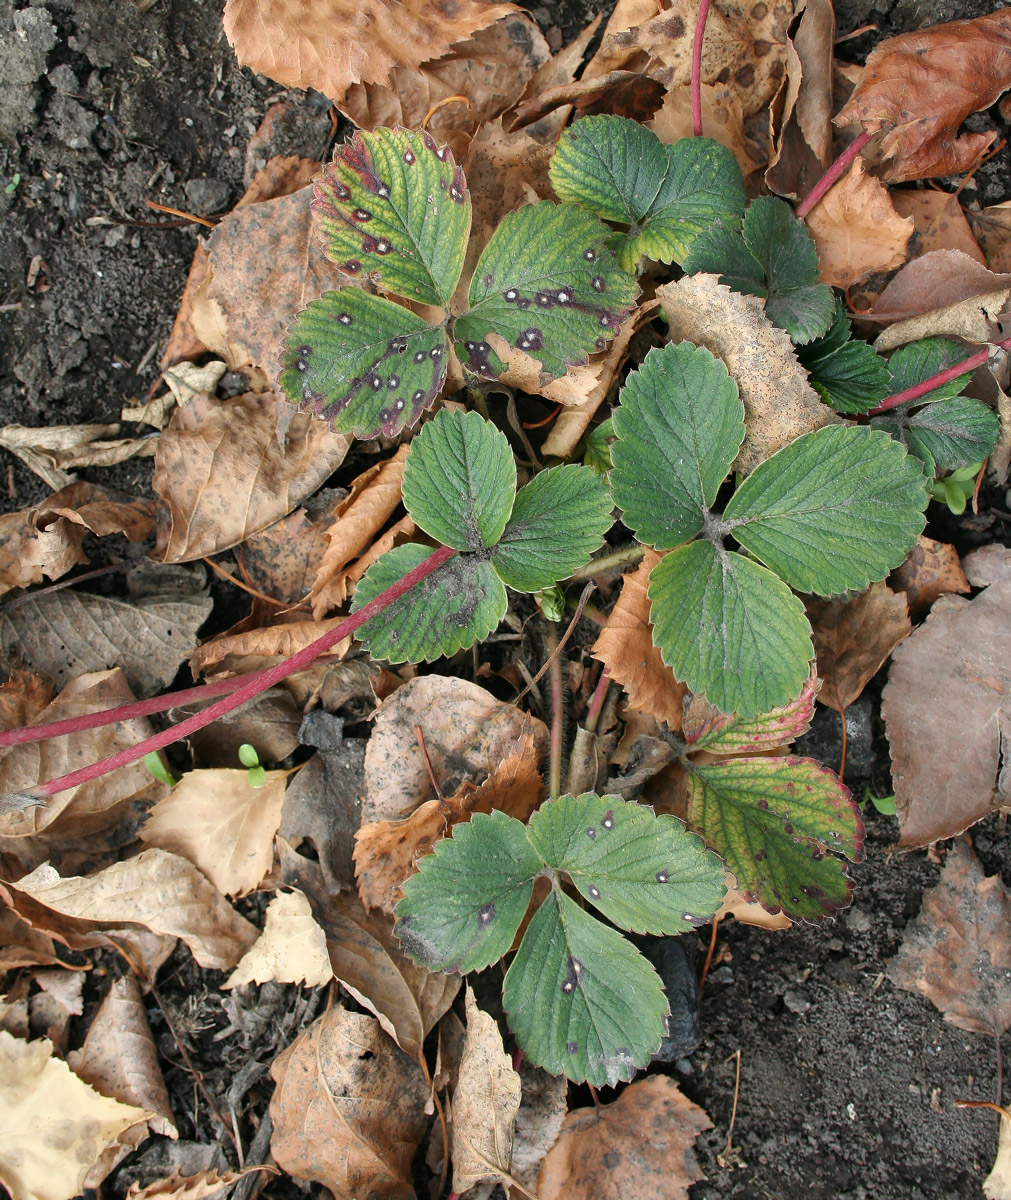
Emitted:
<point x="725" y="1156"/>
<point x="557" y="714"/>
<point x="246" y="587"/>
<point x="586" y="593"/>
<point x="439" y="103"/>
<point x="709" y="957"/>
<point x="842" y="753"/>
<point x="596" y="702"/>
<point x="177" y="212"/>
<point x="111" y="569"/>
<point x="419" y="733"/>
<point x="832" y="176"/>
<point x="700" y="29"/>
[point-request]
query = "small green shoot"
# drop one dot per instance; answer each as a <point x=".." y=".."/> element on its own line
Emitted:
<point x="12" y="185"/>
<point x="157" y="767"/>
<point x="249" y="758"/>
<point x="956" y="489"/>
<point x="883" y="804"/>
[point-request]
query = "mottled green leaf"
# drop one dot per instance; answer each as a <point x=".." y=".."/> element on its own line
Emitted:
<point x="954" y="432"/>
<point x="460" y="603"/>
<point x="728" y="627"/>
<point x="645" y="873"/>
<point x="721" y="733"/>
<point x="581" y="1000"/>
<point x="611" y="165"/>
<point x="460" y="480"/>
<point x="721" y="251"/>
<point x="679" y="427"/>
<point x="394" y="204"/>
<point x="364" y="364"/>
<point x="548" y="284"/>
<point x="832" y="511"/>
<point x="462" y="909"/>
<point x="774" y="821"/>
<point x="919" y="361"/>
<point x="559" y="519"/>
<point x="848" y="374"/>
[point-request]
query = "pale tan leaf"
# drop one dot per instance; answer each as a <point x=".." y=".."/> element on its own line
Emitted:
<point x="722" y="120"/>
<point x="201" y="1186"/>
<point x="940" y="222"/>
<point x="282" y="639"/>
<point x="992" y="227"/>
<point x="592" y="1161"/>
<point x="53" y="1127"/>
<point x="544" y="1101"/>
<point x="957" y="950"/>
<point x="997" y="1185"/>
<point x="291" y="949"/>
<point x="54" y="450"/>
<point x="957" y="661"/>
<point x="779" y="403"/>
<point x="225" y="470"/>
<point x="857" y="231"/>
<point x="485" y="1102"/>
<point x="222" y="824"/>
<point x="931" y="569"/>
<point x="348" y="1108"/>
<point x="331" y="44"/>
<point x="398" y="533"/>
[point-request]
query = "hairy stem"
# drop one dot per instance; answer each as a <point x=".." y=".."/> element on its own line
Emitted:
<point x="935" y="381"/>
<point x="700" y="29"/>
<point x="835" y="172"/>
<point x="557" y="715"/>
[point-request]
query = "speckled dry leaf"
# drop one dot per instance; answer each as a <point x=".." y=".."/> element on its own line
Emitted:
<point x="227" y="469"/>
<point x="348" y="1109"/>
<point x="722" y="120"/>
<point x="957" y="951"/>
<point x="559" y="70"/>
<point x="222" y="824"/>
<point x="779" y="403"/>
<point x="119" y="1058"/>
<point x="375" y="496"/>
<point x="22" y="767"/>
<point x="623" y="93"/>
<point x="485" y="1102"/>
<point x="177" y="1186"/>
<point x="641" y="1145"/>
<point x="53" y="1127"/>
<point x="23" y="699"/>
<point x="853" y="637"/>
<point x="857" y="231"/>
<point x="467" y="734"/>
<point x="490" y="69"/>
<point x="939" y="220"/>
<point x="281" y="639"/>
<point x="160" y="891"/>
<point x="52" y="451"/>
<point x="329" y="45"/>
<point x="919" y="87"/>
<point x="957" y="661"/>
<point x="992" y="227"/>
<point x="282" y="561"/>
<point x="23" y="946"/>
<point x="932" y="569"/>
<point x="544" y="1101"/>
<point x="291" y="949"/>
<point x="625" y="647"/>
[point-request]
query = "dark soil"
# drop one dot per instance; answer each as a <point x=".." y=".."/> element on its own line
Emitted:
<point x="846" y="1083"/>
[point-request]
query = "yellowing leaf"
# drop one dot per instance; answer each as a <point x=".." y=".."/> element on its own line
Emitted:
<point x="291" y="949"/>
<point x="53" y="1127"/>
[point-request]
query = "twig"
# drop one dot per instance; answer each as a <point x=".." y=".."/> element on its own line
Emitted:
<point x="596" y="702"/>
<point x="241" y="584"/>
<point x="584" y="596"/>
<point x="935" y="381"/>
<point x="835" y="172"/>
<point x="257" y="1166"/>
<point x="700" y="29"/>
<point x="176" y="212"/>
<point x="842" y="752"/>
<point x="725" y="1156"/>
<point x="109" y="569"/>
<point x="419" y="733"/>
<point x="975" y="490"/>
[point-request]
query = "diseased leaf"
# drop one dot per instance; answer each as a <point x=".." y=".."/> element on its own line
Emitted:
<point x="846" y="373"/>
<point x="953" y="433"/>
<point x="706" y="728"/>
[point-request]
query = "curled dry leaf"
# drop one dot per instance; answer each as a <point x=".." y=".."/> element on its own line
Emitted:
<point x="556" y="72"/>
<point x="177" y="1186"/>
<point x="919" y="87"/>
<point x="250" y="640"/>
<point x="485" y="1102"/>
<point x="23" y="946"/>
<point x="779" y="403"/>
<point x="593" y="1157"/>
<point x="625" y="647"/>
<point x="291" y="949"/>
<point x="749" y="912"/>
<point x="957" y="951"/>
<point x="992" y="227"/>
<point x="55" y="450"/>
<point x="329" y="45"/>
<point x="932" y="569"/>
<point x="222" y="824"/>
<point x="857" y="231"/>
<point x="852" y="638"/>
<point x="226" y="470"/>
<point x="348" y="1108"/>
<point x="467" y="734"/>
<point x="53" y="1127"/>
<point x="958" y="660"/>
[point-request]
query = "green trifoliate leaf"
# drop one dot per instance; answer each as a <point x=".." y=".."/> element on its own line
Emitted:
<point x="457" y="605"/>
<point x="847" y="374"/>
<point x="598" y="447"/>
<point x="395" y="205"/>
<point x="679" y="427"/>
<point x="833" y="511"/>
<point x="721" y="251"/>
<point x="954" y="433"/>
<point x="581" y="1000"/>
<point x="547" y="283"/>
<point x="918" y="361"/>
<point x="463" y="907"/>
<point x="728" y="627"/>
<point x="774" y="821"/>
<point x="644" y="873"/>
<point x="365" y="364"/>
<point x="559" y="519"/>
<point x="460" y="480"/>
<point x="718" y="733"/>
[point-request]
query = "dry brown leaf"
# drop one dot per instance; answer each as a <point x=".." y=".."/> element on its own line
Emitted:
<point x="485" y="1102"/>
<point x="992" y="227"/>
<point x="398" y="533"/>
<point x="23" y="946"/>
<point x="625" y="647"/>
<point x="222" y="824"/>
<point x="250" y="639"/>
<point x="722" y="120"/>
<point x="52" y="1008"/>
<point x="852" y="638"/>
<point x="329" y="45"/>
<point x="779" y="403"/>
<point x="53" y="1127"/>
<point x="491" y="69"/>
<point x="544" y="1101"/>
<point x="857" y="231"/>
<point x="557" y="71"/>
<point x="226" y="470"/>
<point x="348" y="1109"/>
<point x="957" y="951"/>
<point x="270" y="721"/>
<point x="54" y="450"/>
<point x="291" y="949"/>
<point x="749" y="912"/>
<point x="467" y="734"/>
<point x="919" y="87"/>
<point x="161" y="892"/>
<point x="375" y="496"/>
<point x="622" y="93"/>
<point x="940" y="222"/>
<point x="177" y="1186"/>
<point x="931" y="569"/>
<point x="606" y="1153"/>
<point x="1000" y="459"/>
<point x="282" y="561"/>
<point x="957" y="661"/>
